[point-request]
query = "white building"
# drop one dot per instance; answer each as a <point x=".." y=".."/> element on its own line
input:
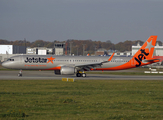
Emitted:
<point x="59" y="48"/>
<point x="32" y="51"/>
<point x="39" y="51"/>
<point x="59" y="51"/>
<point x="42" y="51"/>
<point x="126" y="53"/>
<point x="12" y="49"/>
<point x="135" y="48"/>
<point x="157" y="52"/>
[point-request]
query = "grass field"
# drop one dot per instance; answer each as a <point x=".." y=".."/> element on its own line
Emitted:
<point x="81" y="100"/>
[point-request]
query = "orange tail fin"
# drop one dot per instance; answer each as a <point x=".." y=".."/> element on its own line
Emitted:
<point x="146" y="51"/>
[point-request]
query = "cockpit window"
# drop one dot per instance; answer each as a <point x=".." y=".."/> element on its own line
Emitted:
<point x="10" y="60"/>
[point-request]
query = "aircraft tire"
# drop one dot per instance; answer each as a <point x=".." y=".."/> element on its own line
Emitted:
<point x="78" y="75"/>
<point x="83" y="75"/>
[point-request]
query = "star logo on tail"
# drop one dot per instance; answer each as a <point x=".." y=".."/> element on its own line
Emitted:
<point x="50" y="59"/>
<point x="149" y="45"/>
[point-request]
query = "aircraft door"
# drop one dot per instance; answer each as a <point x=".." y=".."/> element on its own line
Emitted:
<point x="21" y="62"/>
<point x="20" y="59"/>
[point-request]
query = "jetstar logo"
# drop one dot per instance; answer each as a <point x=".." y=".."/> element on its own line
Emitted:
<point x="50" y="59"/>
<point x="35" y="60"/>
<point x="39" y="60"/>
<point x="141" y="57"/>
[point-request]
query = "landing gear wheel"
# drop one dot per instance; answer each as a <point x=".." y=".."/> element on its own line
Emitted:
<point x="83" y="75"/>
<point x="78" y="75"/>
<point x="19" y="75"/>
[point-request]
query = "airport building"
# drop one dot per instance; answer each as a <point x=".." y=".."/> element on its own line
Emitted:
<point x="101" y="51"/>
<point x="126" y="53"/>
<point x="59" y="48"/>
<point x="40" y="51"/>
<point x="32" y="51"/>
<point x="12" y="49"/>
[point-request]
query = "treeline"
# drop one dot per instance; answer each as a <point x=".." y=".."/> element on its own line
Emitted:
<point x="78" y="45"/>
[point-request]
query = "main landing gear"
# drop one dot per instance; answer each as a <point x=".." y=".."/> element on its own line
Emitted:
<point x="80" y="74"/>
<point x="20" y="73"/>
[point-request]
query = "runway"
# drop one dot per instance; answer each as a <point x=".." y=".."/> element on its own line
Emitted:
<point x="49" y="75"/>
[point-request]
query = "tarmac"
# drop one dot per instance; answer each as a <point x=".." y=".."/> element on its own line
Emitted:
<point x="49" y="75"/>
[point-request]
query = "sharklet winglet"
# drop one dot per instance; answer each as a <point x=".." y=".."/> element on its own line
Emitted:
<point x="111" y="57"/>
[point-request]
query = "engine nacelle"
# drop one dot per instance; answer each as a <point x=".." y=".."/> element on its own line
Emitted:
<point x="65" y="70"/>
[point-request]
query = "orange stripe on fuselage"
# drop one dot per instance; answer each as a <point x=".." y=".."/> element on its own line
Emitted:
<point x="54" y="68"/>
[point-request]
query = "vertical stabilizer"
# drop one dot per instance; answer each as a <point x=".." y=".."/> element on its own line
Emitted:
<point x="146" y="51"/>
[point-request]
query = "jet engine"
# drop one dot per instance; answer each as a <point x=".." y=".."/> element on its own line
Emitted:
<point x="65" y="70"/>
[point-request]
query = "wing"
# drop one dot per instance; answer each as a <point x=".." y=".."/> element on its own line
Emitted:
<point x="89" y="66"/>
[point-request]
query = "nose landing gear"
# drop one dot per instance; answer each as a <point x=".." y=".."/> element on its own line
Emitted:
<point x="20" y="73"/>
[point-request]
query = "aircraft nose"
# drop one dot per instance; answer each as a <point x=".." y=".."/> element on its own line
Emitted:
<point x="5" y="64"/>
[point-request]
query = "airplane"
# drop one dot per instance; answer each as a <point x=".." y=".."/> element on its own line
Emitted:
<point x="70" y="65"/>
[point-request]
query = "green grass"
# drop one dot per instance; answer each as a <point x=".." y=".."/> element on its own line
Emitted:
<point x="80" y="100"/>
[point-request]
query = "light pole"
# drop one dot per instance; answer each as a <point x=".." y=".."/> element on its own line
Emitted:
<point x="77" y="51"/>
<point x="83" y="49"/>
<point x="70" y="47"/>
<point x="95" y="50"/>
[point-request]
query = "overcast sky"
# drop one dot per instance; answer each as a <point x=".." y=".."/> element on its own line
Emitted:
<point x="98" y="20"/>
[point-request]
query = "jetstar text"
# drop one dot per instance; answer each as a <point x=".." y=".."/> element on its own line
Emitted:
<point x="35" y="60"/>
<point x="141" y="57"/>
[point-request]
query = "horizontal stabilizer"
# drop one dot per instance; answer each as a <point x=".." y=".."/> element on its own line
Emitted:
<point x="151" y="60"/>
